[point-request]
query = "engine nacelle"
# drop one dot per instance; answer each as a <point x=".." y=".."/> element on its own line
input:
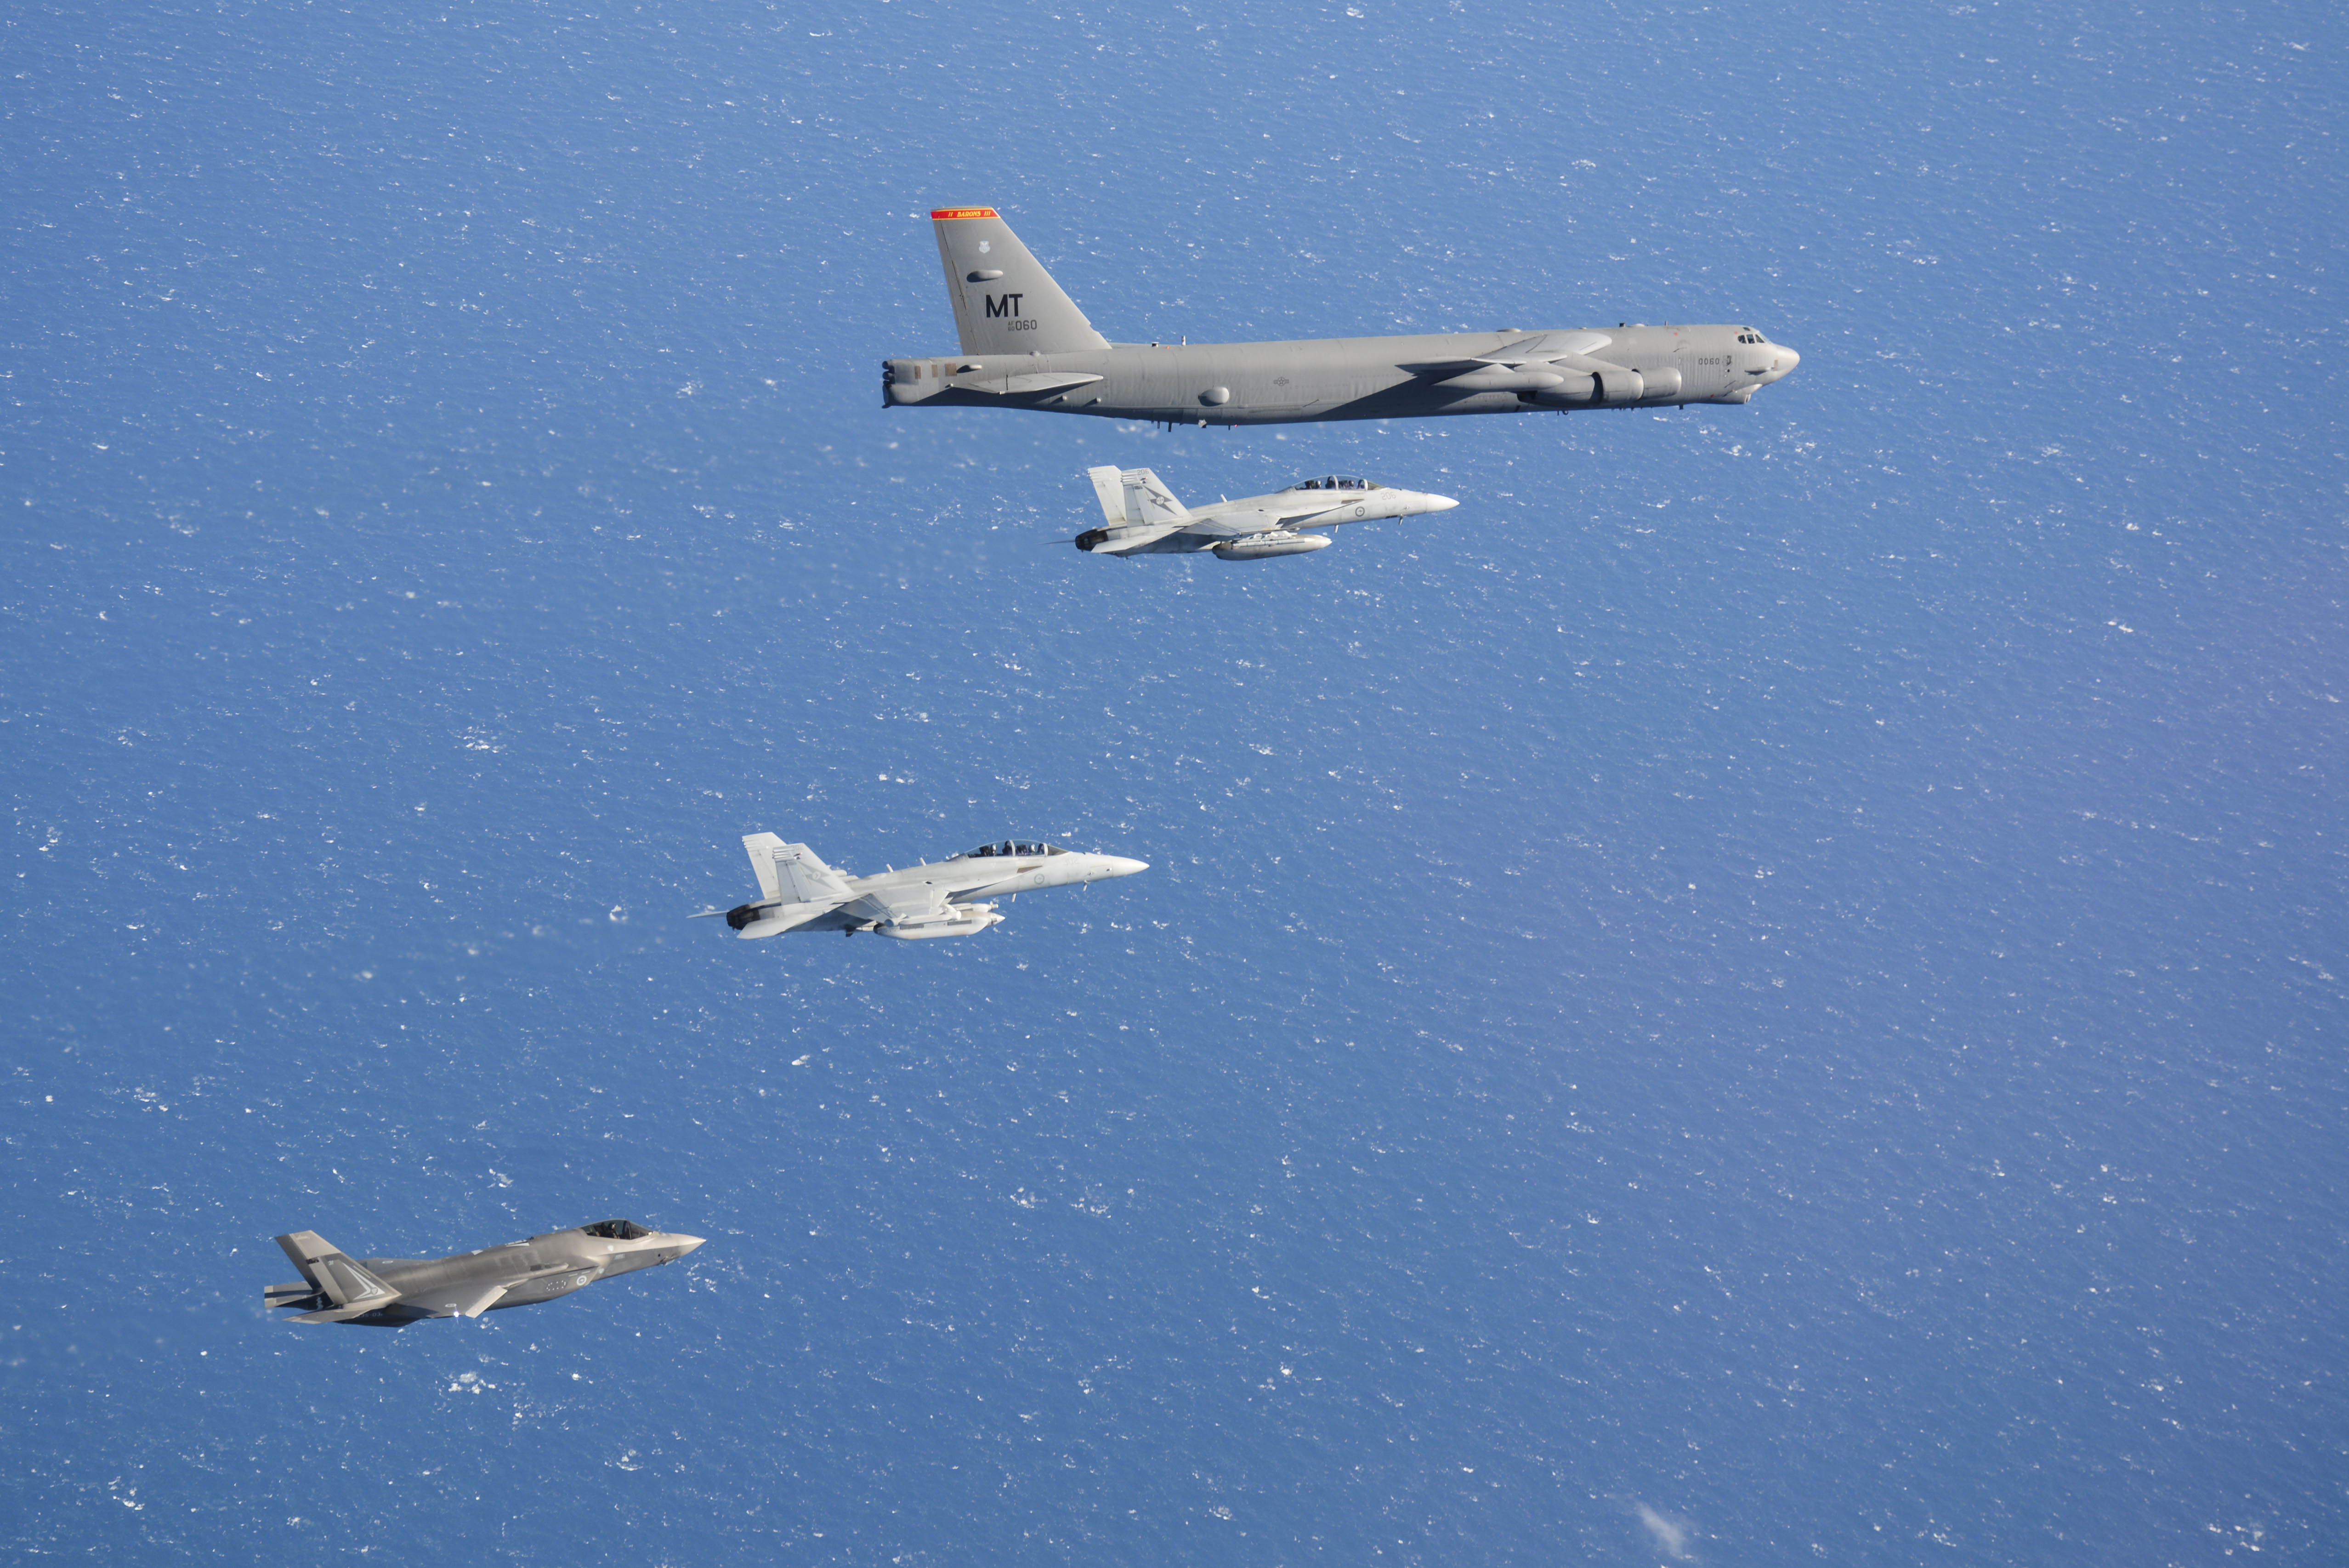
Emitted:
<point x="1573" y="389"/>
<point x="1264" y="547"/>
<point x="1663" y="383"/>
<point x="1619" y="386"/>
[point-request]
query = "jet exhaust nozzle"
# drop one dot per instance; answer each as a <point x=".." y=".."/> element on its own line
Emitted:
<point x="1091" y="538"/>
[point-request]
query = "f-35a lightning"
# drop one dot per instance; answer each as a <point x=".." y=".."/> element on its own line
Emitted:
<point x="1025" y="345"/>
<point x="800" y="893"/>
<point x="1143" y="517"/>
<point x="392" y="1293"/>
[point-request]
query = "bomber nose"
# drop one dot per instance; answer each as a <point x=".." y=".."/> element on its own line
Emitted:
<point x="1783" y="361"/>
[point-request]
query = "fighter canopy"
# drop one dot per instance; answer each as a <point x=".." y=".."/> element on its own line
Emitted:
<point x="1337" y="482"/>
<point x="1011" y="847"/>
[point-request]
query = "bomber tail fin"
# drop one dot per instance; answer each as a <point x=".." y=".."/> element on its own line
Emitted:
<point x="1147" y="501"/>
<point x="1004" y="300"/>
<point x="332" y="1275"/>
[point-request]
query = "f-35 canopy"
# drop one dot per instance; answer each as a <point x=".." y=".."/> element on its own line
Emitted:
<point x="1337" y="482"/>
<point x="617" y="1229"/>
<point x="1011" y="847"/>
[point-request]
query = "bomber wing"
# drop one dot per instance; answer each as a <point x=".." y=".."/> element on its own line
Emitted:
<point x="1541" y="348"/>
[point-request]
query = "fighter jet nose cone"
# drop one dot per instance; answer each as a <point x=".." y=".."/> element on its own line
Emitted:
<point x="1120" y="867"/>
<point x="1441" y="504"/>
<point x="686" y="1243"/>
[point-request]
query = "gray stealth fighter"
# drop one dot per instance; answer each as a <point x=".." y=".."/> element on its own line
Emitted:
<point x="1025" y="345"/>
<point x="800" y="893"/>
<point x="392" y="1293"/>
<point x="1143" y="517"/>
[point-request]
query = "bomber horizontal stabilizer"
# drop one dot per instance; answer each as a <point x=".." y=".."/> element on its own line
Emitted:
<point x="1019" y="386"/>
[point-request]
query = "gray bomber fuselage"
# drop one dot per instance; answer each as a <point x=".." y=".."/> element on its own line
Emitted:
<point x="1026" y="344"/>
<point x="1335" y="378"/>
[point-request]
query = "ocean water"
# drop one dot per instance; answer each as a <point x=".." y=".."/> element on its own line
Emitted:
<point x="1769" y="989"/>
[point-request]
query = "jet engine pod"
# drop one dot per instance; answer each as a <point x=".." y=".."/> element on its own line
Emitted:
<point x="1263" y="546"/>
<point x="1663" y="383"/>
<point x="1573" y="389"/>
<point x="1621" y="385"/>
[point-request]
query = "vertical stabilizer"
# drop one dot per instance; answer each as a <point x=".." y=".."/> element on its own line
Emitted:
<point x="792" y="873"/>
<point x="1004" y="300"/>
<point x="1111" y="491"/>
<point x="339" y="1279"/>
<point x="760" y="848"/>
<point x="1148" y="502"/>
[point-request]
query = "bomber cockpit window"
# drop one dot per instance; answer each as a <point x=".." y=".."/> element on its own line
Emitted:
<point x="617" y="1229"/>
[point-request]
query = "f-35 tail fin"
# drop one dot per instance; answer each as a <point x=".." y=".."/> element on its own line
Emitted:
<point x="1004" y="300"/>
<point x="332" y="1275"/>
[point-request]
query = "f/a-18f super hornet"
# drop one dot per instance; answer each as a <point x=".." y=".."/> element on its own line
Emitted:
<point x="1025" y="345"/>
<point x="392" y="1293"/>
<point x="1143" y="517"/>
<point x="798" y="892"/>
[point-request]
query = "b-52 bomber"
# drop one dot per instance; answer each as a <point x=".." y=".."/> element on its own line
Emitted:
<point x="392" y="1293"/>
<point x="1143" y="517"/>
<point x="798" y="892"/>
<point x="1025" y="345"/>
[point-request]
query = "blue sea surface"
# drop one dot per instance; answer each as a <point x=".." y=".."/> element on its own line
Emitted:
<point x="1767" y="990"/>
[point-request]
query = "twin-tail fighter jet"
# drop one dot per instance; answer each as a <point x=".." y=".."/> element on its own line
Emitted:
<point x="392" y="1293"/>
<point x="800" y="893"/>
<point x="1025" y="345"/>
<point x="1143" y="517"/>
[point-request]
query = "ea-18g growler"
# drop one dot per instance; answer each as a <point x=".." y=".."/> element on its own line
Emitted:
<point x="1140" y="516"/>
<point x="798" y="892"/>
<point x="1025" y="345"/>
